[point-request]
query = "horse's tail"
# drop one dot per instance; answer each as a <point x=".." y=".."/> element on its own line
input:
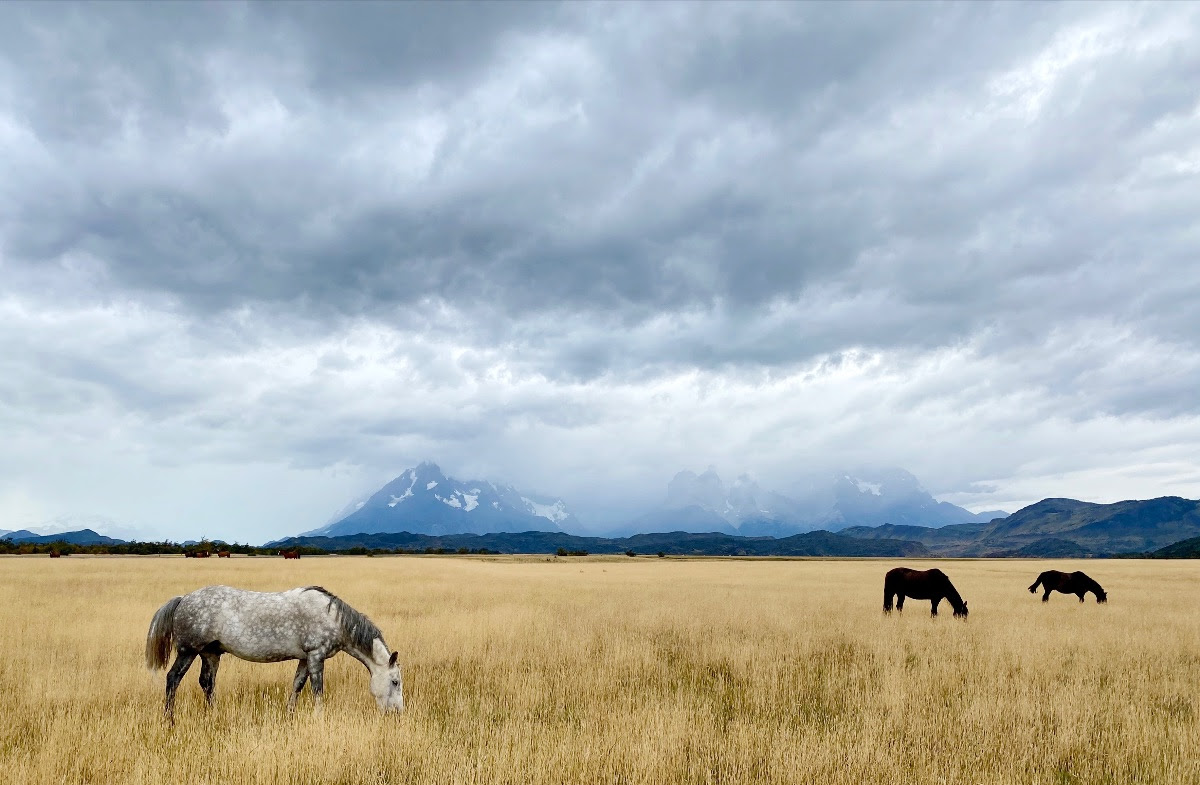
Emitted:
<point x="161" y="635"/>
<point x="1033" y="588"/>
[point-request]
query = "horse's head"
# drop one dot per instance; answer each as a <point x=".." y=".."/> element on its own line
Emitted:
<point x="961" y="613"/>
<point x="386" y="683"/>
<point x="1101" y="595"/>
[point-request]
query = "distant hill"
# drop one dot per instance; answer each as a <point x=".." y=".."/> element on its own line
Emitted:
<point x="1184" y="549"/>
<point x="1059" y="528"/>
<point x="82" y="537"/>
<point x="819" y="543"/>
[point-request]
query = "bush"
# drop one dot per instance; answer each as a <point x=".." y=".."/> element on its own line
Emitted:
<point x="630" y="554"/>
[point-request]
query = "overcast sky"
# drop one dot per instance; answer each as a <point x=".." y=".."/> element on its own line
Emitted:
<point x="258" y="259"/>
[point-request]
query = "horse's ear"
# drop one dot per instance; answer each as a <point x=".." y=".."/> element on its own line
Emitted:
<point x="392" y="661"/>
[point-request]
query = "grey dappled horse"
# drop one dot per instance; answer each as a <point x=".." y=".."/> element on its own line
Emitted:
<point x="308" y="624"/>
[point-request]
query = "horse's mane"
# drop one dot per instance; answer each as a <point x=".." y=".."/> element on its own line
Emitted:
<point x="360" y="630"/>
<point x="956" y="600"/>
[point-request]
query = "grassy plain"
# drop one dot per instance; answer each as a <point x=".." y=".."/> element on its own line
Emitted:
<point x="618" y="670"/>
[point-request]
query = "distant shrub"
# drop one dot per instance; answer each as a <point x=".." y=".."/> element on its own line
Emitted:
<point x="561" y="552"/>
<point x="661" y="554"/>
<point x="630" y="554"/>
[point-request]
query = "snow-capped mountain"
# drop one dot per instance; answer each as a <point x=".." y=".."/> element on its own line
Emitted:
<point x="423" y="500"/>
<point x="865" y="497"/>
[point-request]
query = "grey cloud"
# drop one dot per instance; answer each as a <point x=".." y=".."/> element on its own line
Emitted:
<point x="709" y="182"/>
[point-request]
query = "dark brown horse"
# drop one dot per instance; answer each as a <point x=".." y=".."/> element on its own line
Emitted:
<point x="1076" y="583"/>
<point x="54" y="554"/>
<point x="292" y="554"/>
<point x="930" y="585"/>
<point x="222" y="554"/>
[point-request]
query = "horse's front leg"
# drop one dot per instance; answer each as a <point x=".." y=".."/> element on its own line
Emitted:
<point x="1080" y="595"/>
<point x="298" y="684"/>
<point x="183" y="661"/>
<point x="316" y="673"/>
<point x="209" y="663"/>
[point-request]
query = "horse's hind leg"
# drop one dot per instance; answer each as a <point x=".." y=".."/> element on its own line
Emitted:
<point x="900" y="603"/>
<point x="209" y="663"/>
<point x="298" y="684"/>
<point x="183" y="661"/>
<point x="1046" y="596"/>
<point x="887" y="602"/>
<point x="933" y="606"/>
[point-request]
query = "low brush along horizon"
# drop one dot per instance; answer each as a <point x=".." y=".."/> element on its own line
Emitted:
<point x="611" y="669"/>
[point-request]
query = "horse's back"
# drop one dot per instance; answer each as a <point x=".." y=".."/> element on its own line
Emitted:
<point x="908" y="573"/>
<point x="252" y="625"/>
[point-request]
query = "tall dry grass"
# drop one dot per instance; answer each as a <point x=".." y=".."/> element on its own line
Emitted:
<point x="618" y="670"/>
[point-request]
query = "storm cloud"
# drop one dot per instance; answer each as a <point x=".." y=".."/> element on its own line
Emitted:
<point x="258" y="258"/>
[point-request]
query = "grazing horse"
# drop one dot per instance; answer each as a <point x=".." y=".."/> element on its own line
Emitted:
<point x="921" y="585"/>
<point x="189" y="554"/>
<point x="1076" y="583"/>
<point x="54" y="554"/>
<point x="308" y="624"/>
<point x="222" y="554"/>
<point x="202" y="554"/>
<point x="292" y="554"/>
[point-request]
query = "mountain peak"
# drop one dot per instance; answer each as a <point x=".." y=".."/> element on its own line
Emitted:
<point x="423" y="500"/>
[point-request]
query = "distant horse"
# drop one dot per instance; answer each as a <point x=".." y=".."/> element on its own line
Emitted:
<point x="54" y="554"/>
<point x="222" y="554"/>
<point x="292" y="554"/>
<point x="921" y="585"/>
<point x="308" y="624"/>
<point x="1076" y="583"/>
<point x="202" y="554"/>
<point x="189" y="555"/>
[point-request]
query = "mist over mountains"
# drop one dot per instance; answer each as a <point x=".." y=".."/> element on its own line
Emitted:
<point x="866" y="512"/>
<point x="830" y="501"/>
<point x="424" y="500"/>
<point x="880" y="512"/>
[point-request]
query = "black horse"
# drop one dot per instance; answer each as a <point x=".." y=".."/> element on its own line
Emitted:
<point x="1076" y="583"/>
<point x="921" y="585"/>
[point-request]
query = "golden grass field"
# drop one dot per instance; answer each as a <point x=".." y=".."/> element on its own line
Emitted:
<point x="647" y="670"/>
